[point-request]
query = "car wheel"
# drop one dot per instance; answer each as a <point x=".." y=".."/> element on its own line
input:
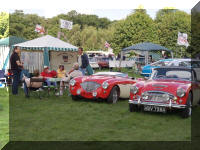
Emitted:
<point x="114" y="95"/>
<point x="187" y="112"/>
<point x="75" y="98"/>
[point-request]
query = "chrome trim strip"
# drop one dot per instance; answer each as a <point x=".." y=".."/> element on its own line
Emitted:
<point x="170" y="105"/>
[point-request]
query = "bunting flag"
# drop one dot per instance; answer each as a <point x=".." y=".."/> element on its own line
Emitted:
<point x="107" y="45"/>
<point x="182" y="39"/>
<point x="66" y="24"/>
<point x="39" y="29"/>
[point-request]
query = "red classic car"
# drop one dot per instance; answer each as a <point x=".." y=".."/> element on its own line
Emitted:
<point x="102" y="85"/>
<point x="168" y="88"/>
<point x="103" y="62"/>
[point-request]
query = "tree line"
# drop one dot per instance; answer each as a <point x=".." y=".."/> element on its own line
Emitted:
<point x="91" y="32"/>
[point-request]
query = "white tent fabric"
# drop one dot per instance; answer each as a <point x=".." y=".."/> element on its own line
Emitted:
<point x="47" y="41"/>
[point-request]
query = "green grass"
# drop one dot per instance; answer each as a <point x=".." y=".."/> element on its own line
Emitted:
<point x="62" y="119"/>
<point x="4" y="117"/>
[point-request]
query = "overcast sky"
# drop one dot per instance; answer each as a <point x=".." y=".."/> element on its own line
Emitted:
<point x="112" y="9"/>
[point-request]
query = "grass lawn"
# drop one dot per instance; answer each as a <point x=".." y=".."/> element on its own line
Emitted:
<point x="62" y="119"/>
<point x="4" y="117"/>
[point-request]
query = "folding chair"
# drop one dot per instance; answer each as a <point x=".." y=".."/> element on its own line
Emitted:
<point x="33" y="89"/>
<point x="66" y="87"/>
<point x="3" y="81"/>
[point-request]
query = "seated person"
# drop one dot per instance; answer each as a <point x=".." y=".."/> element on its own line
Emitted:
<point x="48" y="74"/>
<point x="74" y="72"/>
<point x="27" y="83"/>
<point x="61" y="72"/>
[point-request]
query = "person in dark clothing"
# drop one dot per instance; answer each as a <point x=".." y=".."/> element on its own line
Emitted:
<point x="16" y="67"/>
<point x="82" y="60"/>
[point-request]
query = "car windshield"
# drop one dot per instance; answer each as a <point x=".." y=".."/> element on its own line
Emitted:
<point x="195" y="64"/>
<point x="118" y="74"/>
<point x="161" y="63"/>
<point x="93" y="59"/>
<point x="104" y="59"/>
<point x="172" y="73"/>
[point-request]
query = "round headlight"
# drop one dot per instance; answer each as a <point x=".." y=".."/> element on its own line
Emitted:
<point x="166" y="96"/>
<point x="105" y="85"/>
<point x="134" y="89"/>
<point x="72" y="82"/>
<point x="180" y="92"/>
<point x="145" y="96"/>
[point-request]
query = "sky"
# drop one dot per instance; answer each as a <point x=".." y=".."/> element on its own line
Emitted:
<point x="113" y="10"/>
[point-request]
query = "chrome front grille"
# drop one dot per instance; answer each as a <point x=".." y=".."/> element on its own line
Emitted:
<point x="158" y="96"/>
<point x="90" y="86"/>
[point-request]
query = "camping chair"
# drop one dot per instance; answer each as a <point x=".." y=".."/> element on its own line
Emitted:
<point x="66" y="87"/>
<point x="33" y="89"/>
<point x="3" y="81"/>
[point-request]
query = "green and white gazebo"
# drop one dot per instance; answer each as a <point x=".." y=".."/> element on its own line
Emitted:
<point x="6" y="50"/>
<point x="47" y="51"/>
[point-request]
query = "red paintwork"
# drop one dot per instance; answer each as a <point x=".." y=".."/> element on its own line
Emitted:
<point x="101" y="93"/>
<point x="171" y="86"/>
<point x="103" y="63"/>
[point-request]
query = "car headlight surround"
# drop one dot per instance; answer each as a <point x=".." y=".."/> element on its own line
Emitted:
<point x="145" y="96"/>
<point x="72" y="82"/>
<point x="134" y="89"/>
<point x="180" y="92"/>
<point x="166" y="96"/>
<point x="105" y="85"/>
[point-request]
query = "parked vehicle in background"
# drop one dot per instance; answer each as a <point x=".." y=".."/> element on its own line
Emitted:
<point x="102" y="85"/>
<point x="93" y="62"/>
<point x="103" y="62"/>
<point x="168" y="88"/>
<point x="147" y="70"/>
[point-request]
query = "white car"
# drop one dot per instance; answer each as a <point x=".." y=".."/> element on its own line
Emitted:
<point x="93" y="62"/>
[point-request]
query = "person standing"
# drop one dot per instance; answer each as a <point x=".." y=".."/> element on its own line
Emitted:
<point x="82" y="60"/>
<point x="16" y="67"/>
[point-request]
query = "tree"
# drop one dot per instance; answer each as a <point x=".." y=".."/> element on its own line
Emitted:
<point x="137" y="27"/>
<point x="169" y="22"/>
<point x="194" y="49"/>
<point x="23" y="25"/>
<point x="4" y="25"/>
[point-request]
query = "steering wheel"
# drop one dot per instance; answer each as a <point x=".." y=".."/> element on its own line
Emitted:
<point x="172" y="76"/>
<point x="160" y="76"/>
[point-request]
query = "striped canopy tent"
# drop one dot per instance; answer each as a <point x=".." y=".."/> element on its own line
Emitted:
<point x="6" y="50"/>
<point x="46" y="44"/>
<point x="144" y="49"/>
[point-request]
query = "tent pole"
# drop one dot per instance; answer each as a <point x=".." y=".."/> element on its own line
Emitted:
<point x="121" y="56"/>
<point x="172" y="54"/>
<point x="46" y="57"/>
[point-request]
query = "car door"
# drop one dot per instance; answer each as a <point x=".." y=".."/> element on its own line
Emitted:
<point x="196" y="86"/>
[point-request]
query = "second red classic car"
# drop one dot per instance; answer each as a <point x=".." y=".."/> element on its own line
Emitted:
<point x="102" y="85"/>
<point x="168" y="88"/>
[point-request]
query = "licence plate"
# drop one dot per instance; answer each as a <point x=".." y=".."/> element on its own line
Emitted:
<point x="154" y="108"/>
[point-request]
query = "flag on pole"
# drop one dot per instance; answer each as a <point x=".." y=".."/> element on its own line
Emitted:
<point x="66" y="24"/>
<point x="39" y="29"/>
<point x="107" y="45"/>
<point x="59" y="34"/>
<point x="182" y="39"/>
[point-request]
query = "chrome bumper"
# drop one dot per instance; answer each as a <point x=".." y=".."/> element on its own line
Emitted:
<point x="170" y="105"/>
